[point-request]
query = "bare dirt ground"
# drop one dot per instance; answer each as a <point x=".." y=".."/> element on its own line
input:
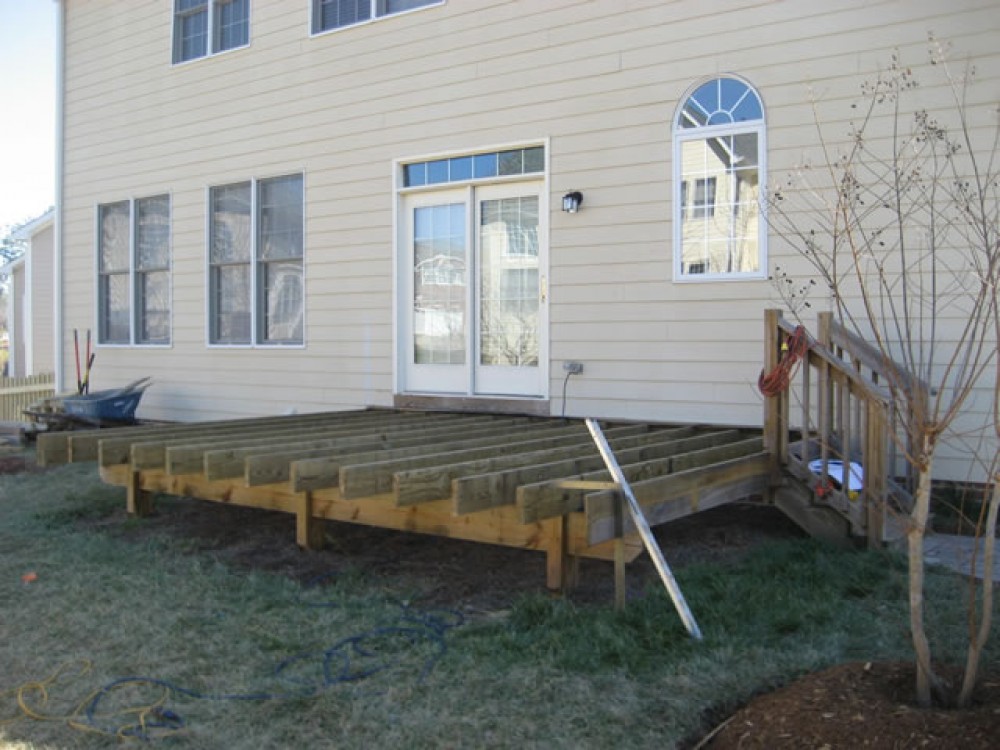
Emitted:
<point x="853" y="705"/>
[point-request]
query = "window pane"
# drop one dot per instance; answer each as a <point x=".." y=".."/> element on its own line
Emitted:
<point x="463" y="168"/>
<point x="153" y="290"/>
<point x="232" y="24"/>
<point x="280" y="218"/>
<point x="415" y="175"/>
<point x="719" y="231"/>
<point x="439" y="284"/>
<point x="704" y="198"/>
<point x="191" y="33"/>
<point x="511" y="162"/>
<point x="114" y="309"/>
<point x="484" y="165"/>
<point x="460" y="169"/>
<point x="534" y="159"/>
<point x="336" y="13"/>
<point x="283" y="302"/>
<point x="508" y="308"/>
<point x="386" y="7"/>
<point x="437" y="171"/>
<point x="152" y="233"/>
<point x="230" y="290"/>
<point x="230" y="224"/>
<point x="719" y="102"/>
<point x="114" y="237"/>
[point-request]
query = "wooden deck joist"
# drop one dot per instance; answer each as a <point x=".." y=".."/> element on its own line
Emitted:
<point x="527" y="482"/>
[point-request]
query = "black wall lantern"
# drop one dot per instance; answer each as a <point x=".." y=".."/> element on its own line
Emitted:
<point x="572" y="201"/>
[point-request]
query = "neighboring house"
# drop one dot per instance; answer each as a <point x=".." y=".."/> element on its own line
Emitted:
<point x="30" y="302"/>
<point x="327" y="204"/>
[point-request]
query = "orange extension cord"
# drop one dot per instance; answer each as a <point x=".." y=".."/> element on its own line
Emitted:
<point x="792" y="351"/>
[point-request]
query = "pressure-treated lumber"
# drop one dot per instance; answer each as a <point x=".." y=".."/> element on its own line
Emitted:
<point x="277" y="467"/>
<point x="77" y="446"/>
<point x="423" y="483"/>
<point x="232" y="462"/>
<point x="497" y="526"/>
<point x="474" y="493"/>
<point x="545" y="499"/>
<point x="374" y="467"/>
<point x="310" y="531"/>
<point x="358" y="476"/>
<point x="184" y="449"/>
<point x="223" y="462"/>
<point x="678" y="495"/>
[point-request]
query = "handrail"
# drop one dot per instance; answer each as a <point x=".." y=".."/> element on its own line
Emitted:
<point x="871" y="357"/>
<point x="820" y="351"/>
<point x="844" y="414"/>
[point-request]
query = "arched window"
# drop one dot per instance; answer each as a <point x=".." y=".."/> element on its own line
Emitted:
<point x="719" y="171"/>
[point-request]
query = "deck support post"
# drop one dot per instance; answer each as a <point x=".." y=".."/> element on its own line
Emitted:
<point x="138" y="502"/>
<point x="620" y="587"/>
<point x="561" y="567"/>
<point x="310" y="532"/>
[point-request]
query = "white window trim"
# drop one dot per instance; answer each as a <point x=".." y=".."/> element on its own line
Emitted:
<point x="254" y="263"/>
<point x="132" y="311"/>
<point x="211" y="34"/>
<point x="314" y="17"/>
<point x="683" y="135"/>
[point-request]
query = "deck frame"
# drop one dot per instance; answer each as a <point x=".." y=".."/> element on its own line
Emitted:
<point x="459" y="476"/>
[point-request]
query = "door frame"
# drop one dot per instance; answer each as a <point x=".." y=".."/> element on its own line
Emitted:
<point x="402" y="277"/>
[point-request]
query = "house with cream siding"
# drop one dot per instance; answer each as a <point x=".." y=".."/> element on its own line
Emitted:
<point x="30" y="304"/>
<point x="272" y="206"/>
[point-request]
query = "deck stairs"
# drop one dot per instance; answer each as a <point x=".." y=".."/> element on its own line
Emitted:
<point x="836" y="434"/>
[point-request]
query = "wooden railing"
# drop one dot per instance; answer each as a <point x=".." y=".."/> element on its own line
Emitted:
<point x="17" y="394"/>
<point x="834" y="427"/>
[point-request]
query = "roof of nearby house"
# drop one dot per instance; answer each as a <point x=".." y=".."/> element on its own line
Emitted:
<point x="10" y="266"/>
<point x="27" y="230"/>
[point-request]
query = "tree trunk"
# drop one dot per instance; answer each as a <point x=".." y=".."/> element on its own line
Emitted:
<point x="915" y="539"/>
<point x="977" y="640"/>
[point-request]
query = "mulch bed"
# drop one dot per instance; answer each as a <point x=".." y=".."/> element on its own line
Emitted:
<point x="861" y="705"/>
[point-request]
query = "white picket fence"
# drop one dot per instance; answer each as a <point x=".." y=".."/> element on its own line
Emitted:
<point x="17" y="394"/>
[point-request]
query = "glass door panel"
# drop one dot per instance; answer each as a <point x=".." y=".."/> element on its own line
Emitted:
<point x="437" y="325"/>
<point x="439" y="284"/>
<point x="509" y="291"/>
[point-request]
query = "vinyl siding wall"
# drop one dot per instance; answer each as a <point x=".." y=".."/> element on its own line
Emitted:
<point x="601" y="80"/>
<point x="42" y="304"/>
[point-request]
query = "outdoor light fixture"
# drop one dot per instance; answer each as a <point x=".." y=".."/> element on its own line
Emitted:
<point x="572" y="201"/>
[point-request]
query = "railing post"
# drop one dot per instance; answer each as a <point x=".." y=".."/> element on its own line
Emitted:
<point x="773" y="407"/>
<point x="875" y="470"/>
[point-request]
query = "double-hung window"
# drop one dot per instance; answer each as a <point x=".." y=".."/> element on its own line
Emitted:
<point x="133" y="271"/>
<point x="203" y="27"/>
<point x="335" y="14"/>
<point x="256" y="285"/>
<point x="719" y="149"/>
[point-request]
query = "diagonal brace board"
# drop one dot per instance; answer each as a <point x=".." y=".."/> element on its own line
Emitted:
<point x="680" y="604"/>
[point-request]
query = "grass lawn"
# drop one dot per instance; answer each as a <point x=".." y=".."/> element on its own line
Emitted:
<point x="155" y="639"/>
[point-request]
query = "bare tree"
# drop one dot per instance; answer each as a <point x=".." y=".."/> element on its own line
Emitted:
<point x="900" y="224"/>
